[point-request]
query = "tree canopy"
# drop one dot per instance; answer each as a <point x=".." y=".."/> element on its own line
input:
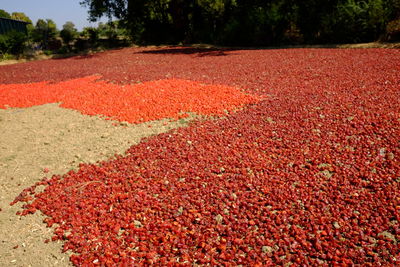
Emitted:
<point x="254" y="22"/>
<point x="21" y="16"/>
<point x="4" y="14"/>
<point x="44" y="31"/>
<point x="68" y="32"/>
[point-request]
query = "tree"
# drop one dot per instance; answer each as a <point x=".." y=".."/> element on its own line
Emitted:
<point x="91" y="33"/>
<point x="158" y="20"/>
<point x="23" y="17"/>
<point x="68" y="33"/>
<point x="4" y="14"/>
<point x="45" y="30"/>
<point x="248" y="22"/>
<point x="13" y="42"/>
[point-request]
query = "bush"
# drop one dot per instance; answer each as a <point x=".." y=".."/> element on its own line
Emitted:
<point x="93" y="35"/>
<point x="6" y="57"/>
<point x="67" y="36"/>
<point x="81" y="44"/>
<point x="3" y="44"/>
<point x="63" y="50"/>
<point x="12" y="42"/>
<point x="48" y="52"/>
<point x="393" y="31"/>
<point x="293" y="36"/>
<point x="54" y="44"/>
<point x="359" y="21"/>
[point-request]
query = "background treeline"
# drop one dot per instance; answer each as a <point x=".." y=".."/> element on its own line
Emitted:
<point x="44" y="37"/>
<point x="253" y="22"/>
<point x="221" y="22"/>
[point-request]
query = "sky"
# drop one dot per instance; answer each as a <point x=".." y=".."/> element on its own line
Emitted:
<point x="60" y="11"/>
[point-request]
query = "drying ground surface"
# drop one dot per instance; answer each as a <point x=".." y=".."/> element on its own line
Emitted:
<point x="302" y="169"/>
<point x="41" y="141"/>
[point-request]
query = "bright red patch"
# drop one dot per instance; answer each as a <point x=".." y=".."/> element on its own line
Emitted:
<point x="135" y="103"/>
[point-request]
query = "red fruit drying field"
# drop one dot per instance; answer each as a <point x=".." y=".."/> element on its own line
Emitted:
<point x="132" y="103"/>
<point x="308" y="176"/>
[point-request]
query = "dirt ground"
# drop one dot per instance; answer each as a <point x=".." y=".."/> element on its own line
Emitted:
<point x="22" y="60"/>
<point x="35" y="139"/>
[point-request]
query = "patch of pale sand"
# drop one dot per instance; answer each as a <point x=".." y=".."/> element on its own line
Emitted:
<point x="22" y="60"/>
<point x="47" y="136"/>
<point x="370" y="45"/>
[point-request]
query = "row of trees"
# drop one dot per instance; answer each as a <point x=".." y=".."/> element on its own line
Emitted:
<point x="226" y="22"/>
<point x="45" y="36"/>
<point x="253" y="22"/>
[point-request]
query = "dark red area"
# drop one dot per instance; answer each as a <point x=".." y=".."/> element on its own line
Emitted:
<point x="308" y="176"/>
<point x="256" y="70"/>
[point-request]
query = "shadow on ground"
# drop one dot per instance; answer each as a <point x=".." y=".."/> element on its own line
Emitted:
<point x="200" y="52"/>
<point x="210" y="50"/>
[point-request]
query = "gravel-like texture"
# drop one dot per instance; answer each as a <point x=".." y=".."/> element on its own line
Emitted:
<point x="308" y="176"/>
<point x="45" y="140"/>
<point x="134" y="103"/>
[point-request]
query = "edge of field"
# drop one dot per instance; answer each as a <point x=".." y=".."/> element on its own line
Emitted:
<point x="394" y="45"/>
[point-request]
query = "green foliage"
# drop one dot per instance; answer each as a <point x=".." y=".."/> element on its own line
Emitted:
<point x="360" y="21"/>
<point x="68" y="33"/>
<point x="268" y="21"/>
<point x="393" y="31"/>
<point x="45" y="31"/>
<point x="249" y="22"/>
<point x="91" y="33"/>
<point x="3" y="44"/>
<point x="13" y="42"/>
<point x="47" y="52"/>
<point x="21" y="16"/>
<point x="393" y="9"/>
<point x="6" y="56"/>
<point x="4" y="14"/>
<point x="82" y="44"/>
<point x="70" y="26"/>
<point x="111" y="31"/>
<point x="63" y="50"/>
<point x="215" y="7"/>
<point x="107" y="30"/>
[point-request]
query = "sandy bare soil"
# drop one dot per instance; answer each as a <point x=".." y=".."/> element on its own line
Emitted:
<point x="49" y="138"/>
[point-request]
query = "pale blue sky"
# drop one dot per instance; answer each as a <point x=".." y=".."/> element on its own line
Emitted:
<point x="60" y="11"/>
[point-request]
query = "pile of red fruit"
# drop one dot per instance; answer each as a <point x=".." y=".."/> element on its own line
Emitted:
<point x="132" y="103"/>
<point x="308" y="176"/>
